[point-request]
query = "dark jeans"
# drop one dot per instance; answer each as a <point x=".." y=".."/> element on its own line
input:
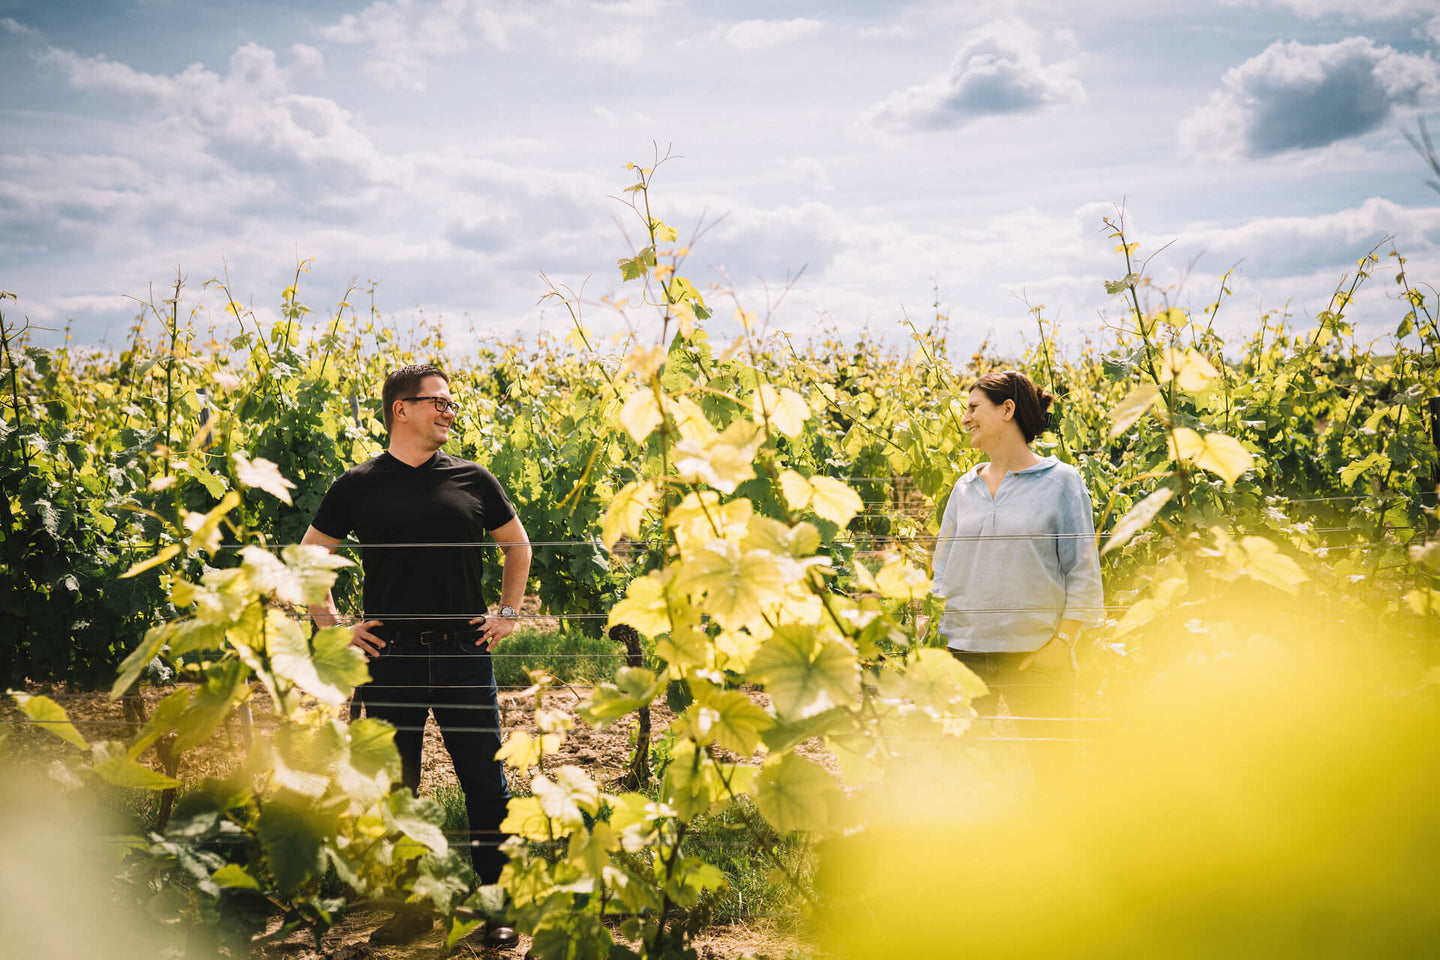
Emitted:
<point x="1041" y="705"/>
<point x="456" y="680"/>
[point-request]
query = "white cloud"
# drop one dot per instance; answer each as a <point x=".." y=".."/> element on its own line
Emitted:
<point x="110" y="175"/>
<point x="804" y="174"/>
<point x="1349" y="10"/>
<point x="1298" y="97"/>
<point x="621" y="48"/>
<point x="997" y="71"/>
<point x="407" y="37"/>
<point x="248" y="120"/>
<point x="1276" y="247"/>
<point x="11" y="25"/>
<point x="307" y="59"/>
<point x="754" y="242"/>
<point x="755" y="34"/>
<point x="516" y="213"/>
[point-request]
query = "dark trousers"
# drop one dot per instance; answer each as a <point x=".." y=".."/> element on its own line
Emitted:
<point x="455" y="680"/>
<point x="1041" y="705"/>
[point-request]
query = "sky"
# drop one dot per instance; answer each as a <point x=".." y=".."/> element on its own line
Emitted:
<point x="835" y="167"/>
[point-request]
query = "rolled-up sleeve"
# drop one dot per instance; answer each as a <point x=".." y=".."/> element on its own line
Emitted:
<point x="942" y="546"/>
<point x="1080" y="560"/>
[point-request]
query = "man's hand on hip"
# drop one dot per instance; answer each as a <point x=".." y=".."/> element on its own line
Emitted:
<point x="368" y="642"/>
<point x="492" y="630"/>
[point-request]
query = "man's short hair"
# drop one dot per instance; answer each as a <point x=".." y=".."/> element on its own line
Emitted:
<point x="405" y="382"/>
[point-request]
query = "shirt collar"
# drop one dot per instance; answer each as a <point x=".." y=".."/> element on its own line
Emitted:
<point x="973" y="474"/>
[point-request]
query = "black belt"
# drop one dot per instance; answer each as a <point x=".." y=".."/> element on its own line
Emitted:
<point x="426" y="637"/>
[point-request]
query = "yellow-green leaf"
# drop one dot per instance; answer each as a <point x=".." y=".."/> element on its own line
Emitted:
<point x="1376" y="461"/>
<point x="159" y="558"/>
<point x="119" y="769"/>
<point x="220" y="689"/>
<point x="634" y="687"/>
<point x="329" y="672"/>
<point x="205" y="527"/>
<point x="793" y="793"/>
<point x="1189" y="369"/>
<point x="797" y="490"/>
<point x="642" y="361"/>
<point x="692" y="423"/>
<point x="136" y="661"/>
<point x="313" y="568"/>
<point x="686" y="646"/>
<point x="785" y="409"/>
<point x="566" y="798"/>
<point x="834" y="500"/>
<point x="935" y="681"/>
<point x="1162" y="595"/>
<point x="736" y="721"/>
<point x="641" y="414"/>
<point x="1265" y="562"/>
<point x="590" y="849"/>
<point x="804" y="672"/>
<point x="372" y="748"/>
<point x="626" y="513"/>
<point x="520" y="750"/>
<point x="1132" y="408"/>
<point x="685" y="317"/>
<point x="161" y="722"/>
<point x="234" y="875"/>
<point x="264" y="475"/>
<point x="724" y="463"/>
<point x="700" y="518"/>
<point x="1138" y="518"/>
<point x="1222" y="455"/>
<point x="50" y="717"/>
<point x="898" y="580"/>
<point x="644" y="606"/>
<point x="735" y="585"/>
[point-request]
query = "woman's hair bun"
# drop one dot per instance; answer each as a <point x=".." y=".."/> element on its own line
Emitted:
<point x="1032" y="405"/>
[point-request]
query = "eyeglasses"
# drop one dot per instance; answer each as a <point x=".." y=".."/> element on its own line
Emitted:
<point x="442" y="404"/>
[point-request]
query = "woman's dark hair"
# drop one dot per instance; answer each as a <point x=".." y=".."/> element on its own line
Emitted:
<point x="404" y="382"/>
<point x="1032" y="405"/>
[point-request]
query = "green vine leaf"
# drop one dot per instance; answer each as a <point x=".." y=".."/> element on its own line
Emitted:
<point x="806" y="673"/>
<point x="49" y="716"/>
<point x="793" y="793"/>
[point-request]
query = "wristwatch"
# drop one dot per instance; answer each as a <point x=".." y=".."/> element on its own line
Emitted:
<point x="1069" y="642"/>
<point x="507" y="613"/>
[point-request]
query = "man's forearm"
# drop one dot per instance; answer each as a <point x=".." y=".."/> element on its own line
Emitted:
<point x="325" y="614"/>
<point x="515" y="575"/>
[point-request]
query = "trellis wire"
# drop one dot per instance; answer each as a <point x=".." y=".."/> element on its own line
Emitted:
<point x="499" y="731"/>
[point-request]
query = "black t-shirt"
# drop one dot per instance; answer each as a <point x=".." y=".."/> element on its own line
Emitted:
<point x="444" y="500"/>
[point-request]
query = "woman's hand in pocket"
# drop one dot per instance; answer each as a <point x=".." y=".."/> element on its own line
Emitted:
<point x="1054" y="657"/>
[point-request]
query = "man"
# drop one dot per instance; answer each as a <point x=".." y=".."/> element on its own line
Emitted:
<point x="425" y="631"/>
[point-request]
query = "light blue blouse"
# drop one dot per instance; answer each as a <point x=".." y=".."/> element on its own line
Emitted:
<point x="1012" y="566"/>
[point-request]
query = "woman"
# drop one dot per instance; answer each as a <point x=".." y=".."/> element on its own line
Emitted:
<point x="1016" y="563"/>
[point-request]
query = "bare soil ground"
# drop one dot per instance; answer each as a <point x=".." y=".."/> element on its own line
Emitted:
<point x="347" y="941"/>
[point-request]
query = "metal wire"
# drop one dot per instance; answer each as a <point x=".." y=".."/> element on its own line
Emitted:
<point x="853" y="538"/>
<point x="500" y="731"/>
<point x="889" y="738"/>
